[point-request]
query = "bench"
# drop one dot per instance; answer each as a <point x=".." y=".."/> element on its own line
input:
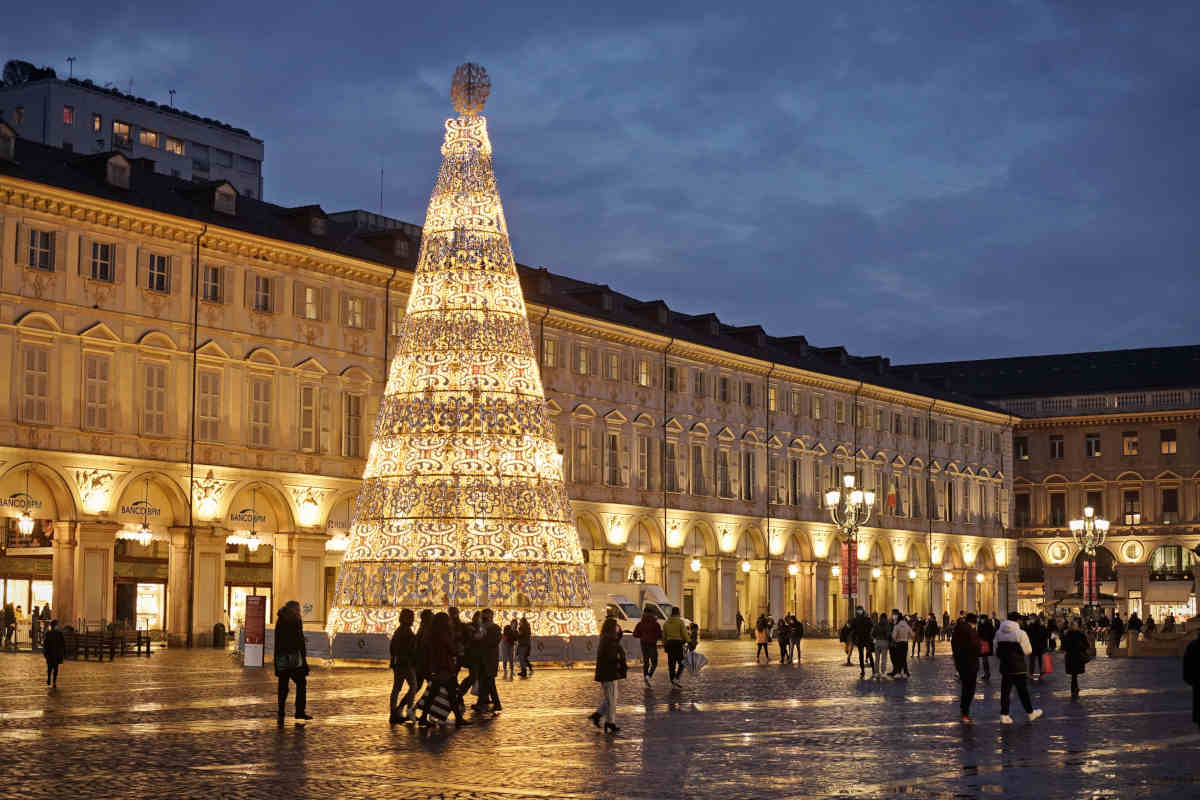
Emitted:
<point x="101" y="643"/>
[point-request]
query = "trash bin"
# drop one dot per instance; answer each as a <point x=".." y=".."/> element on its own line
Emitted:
<point x="218" y="638"/>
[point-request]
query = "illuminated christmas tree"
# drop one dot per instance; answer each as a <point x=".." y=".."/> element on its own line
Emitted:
<point x="462" y="500"/>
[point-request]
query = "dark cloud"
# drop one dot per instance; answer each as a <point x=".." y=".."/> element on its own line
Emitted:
<point x="925" y="180"/>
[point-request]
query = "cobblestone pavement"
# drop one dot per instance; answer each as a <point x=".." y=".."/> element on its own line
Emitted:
<point x="194" y="724"/>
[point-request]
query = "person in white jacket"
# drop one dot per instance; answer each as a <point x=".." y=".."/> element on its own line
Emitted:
<point x="901" y="633"/>
<point x="1012" y="648"/>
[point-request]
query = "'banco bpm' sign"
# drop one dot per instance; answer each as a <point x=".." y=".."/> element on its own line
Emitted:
<point x="20" y="500"/>
<point x="247" y="515"/>
<point x="141" y="508"/>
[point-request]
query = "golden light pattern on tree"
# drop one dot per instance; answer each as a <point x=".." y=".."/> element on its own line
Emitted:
<point x="462" y="500"/>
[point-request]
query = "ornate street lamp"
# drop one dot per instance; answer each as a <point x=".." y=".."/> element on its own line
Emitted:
<point x="25" y="521"/>
<point x="1089" y="534"/>
<point x="849" y="508"/>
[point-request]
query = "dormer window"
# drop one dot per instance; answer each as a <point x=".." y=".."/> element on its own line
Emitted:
<point x="606" y="301"/>
<point x="8" y="142"/>
<point x="117" y="172"/>
<point x="401" y="246"/>
<point x="317" y="226"/>
<point x="714" y="328"/>
<point x="225" y="199"/>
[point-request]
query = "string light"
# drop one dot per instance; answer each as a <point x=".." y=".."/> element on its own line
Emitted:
<point x="462" y="499"/>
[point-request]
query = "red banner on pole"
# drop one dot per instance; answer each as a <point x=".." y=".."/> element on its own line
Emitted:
<point x="1090" y="595"/>
<point x="849" y="569"/>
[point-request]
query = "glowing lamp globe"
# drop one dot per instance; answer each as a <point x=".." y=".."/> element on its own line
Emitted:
<point x="948" y="576"/>
<point x="208" y="507"/>
<point x="745" y="566"/>
<point x="875" y="573"/>
<point x="695" y="565"/>
<point x="869" y="498"/>
<point x="793" y="569"/>
<point x="979" y="577"/>
<point x="832" y="498"/>
<point x="252" y="543"/>
<point x="912" y="574"/>
<point x="144" y="535"/>
<point x="25" y="524"/>
<point x="835" y="571"/>
<point x="639" y="561"/>
<point x="856" y="497"/>
<point x="848" y="481"/>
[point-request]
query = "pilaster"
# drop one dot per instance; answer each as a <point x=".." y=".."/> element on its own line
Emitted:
<point x="62" y="571"/>
<point x="93" y="601"/>
<point x="298" y="573"/>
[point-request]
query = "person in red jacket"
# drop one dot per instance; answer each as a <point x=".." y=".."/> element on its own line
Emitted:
<point x="648" y="632"/>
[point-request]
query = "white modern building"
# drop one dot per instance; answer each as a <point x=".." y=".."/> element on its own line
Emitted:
<point x="82" y="117"/>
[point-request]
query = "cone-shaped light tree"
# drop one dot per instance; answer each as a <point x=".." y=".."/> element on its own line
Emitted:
<point x="462" y="500"/>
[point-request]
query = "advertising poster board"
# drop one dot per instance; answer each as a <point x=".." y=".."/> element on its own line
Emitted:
<point x="255" y="627"/>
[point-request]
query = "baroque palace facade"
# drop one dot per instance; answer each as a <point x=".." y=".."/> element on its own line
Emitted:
<point x="134" y="303"/>
<point x="1118" y="431"/>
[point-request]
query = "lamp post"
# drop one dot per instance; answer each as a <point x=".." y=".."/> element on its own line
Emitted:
<point x="1089" y="534"/>
<point x="849" y="508"/>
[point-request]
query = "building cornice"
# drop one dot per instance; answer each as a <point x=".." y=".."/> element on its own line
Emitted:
<point x="1093" y="420"/>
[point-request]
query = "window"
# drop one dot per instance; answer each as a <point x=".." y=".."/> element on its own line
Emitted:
<point x="897" y="424"/>
<point x="672" y="379"/>
<point x="262" y="297"/>
<point x="698" y="486"/>
<point x="95" y="392"/>
<point x="612" y="366"/>
<point x="352" y="425"/>
<point x="222" y="158"/>
<point x="839" y="412"/>
<point x="860" y="416"/>
<point x="917" y="486"/>
<point x="175" y="146"/>
<point x="308" y="419"/>
<point x="724" y="488"/>
<point x="643" y="467"/>
<point x="148" y="138"/>
<point x="122" y="135"/>
<point x="612" y="459"/>
<point x="1091" y="445"/>
<point x="41" y="250"/>
<point x="308" y="302"/>
<point x="19" y="115"/>
<point x="97" y="123"/>
<point x="747" y="394"/>
<point x="35" y="388"/>
<point x="796" y="479"/>
<point x="354" y="313"/>
<point x="1056" y="447"/>
<point x="816" y="406"/>
<point x="1132" y="506"/>
<point x="247" y="165"/>
<point x="582" y="360"/>
<point x="643" y="373"/>
<point x="1021" y="448"/>
<point x="1021" y="507"/>
<point x="794" y="402"/>
<point x="670" y="473"/>
<point x="1170" y="506"/>
<point x="582" y="467"/>
<point x="916" y="427"/>
<point x="1171" y="562"/>
<point x="208" y="406"/>
<point x="965" y="435"/>
<point x="260" y="412"/>
<point x="723" y="389"/>
<point x="1095" y="499"/>
<point x="157" y="273"/>
<point x="1129" y="443"/>
<point x="550" y="353"/>
<point x="199" y="157"/>
<point x="949" y="502"/>
<point x="154" y="404"/>
<point x="1167" y="441"/>
<point x="102" y="262"/>
<point x="1058" y="509"/>
<point x="772" y="404"/>
<point x="210" y="285"/>
<point x="748" y="476"/>
<point x="68" y="115"/>
<point x="880" y="421"/>
<point x="698" y="383"/>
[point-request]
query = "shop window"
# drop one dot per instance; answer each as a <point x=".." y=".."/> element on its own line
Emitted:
<point x="1172" y="563"/>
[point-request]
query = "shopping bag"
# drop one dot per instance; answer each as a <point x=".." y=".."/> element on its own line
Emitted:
<point x="696" y="662"/>
<point x="438" y="706"/>
<point x="1047" y="664"/>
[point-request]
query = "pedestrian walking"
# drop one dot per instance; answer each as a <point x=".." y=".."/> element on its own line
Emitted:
<point x="1191" y="675"/>
<point x="674" y="634"/>
<point x="918" y="637"/>
<point x="860" y="634"/>
<point x="1133" y="626"/>
<point x="845" y="636"/>
<point x="524" y="643"/>
<point x="1116" y="631"/>
<point x="946" y="629"/>
<point x="508" y="646"/>
<point x="1075" y="655"/>
<point x="648" y="632"/>
<point x="610" y="668"/>
<point x="964" y="645"/>
<point x="760" y="638"/>
<point x="35" y="628"/>
<point x="740" y="622"/>
<point x="291" y="659"/>
<point x="931" y="634"/>
<point x="797" y="631"/>
<point x="489" y="663"/>
<point x="472" y="652"/>
<point x="901" y="632"/>
<point x="1012" y="647"/>
<point x="403" y="658"/>
<point x="987" y="633"/>
<point x="1036" y="633"/>
<point x="442" y="670"/>
<point x="881" y="635"/>
<point x="783" y="635"/>
<point x="54" y="649"/>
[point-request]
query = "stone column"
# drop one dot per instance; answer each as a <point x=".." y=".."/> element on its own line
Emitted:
<point x="724" y="606"/>
<point x="62" y="572"/>
<point x="298" y="573"/>
<point x="202" y="581"/>
<point x="93" y="600"/>
<point x="179" y="585"/>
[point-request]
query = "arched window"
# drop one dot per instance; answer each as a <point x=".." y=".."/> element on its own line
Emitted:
<point x="1030" y="567"/>
<point x="1171" y="562"/>
<point x="693" y="545"/>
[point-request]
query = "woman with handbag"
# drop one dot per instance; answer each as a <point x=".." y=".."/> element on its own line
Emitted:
<point x="1075" y="655"/>
<point x="291" y="659"/>
<point x="610" y="668"/>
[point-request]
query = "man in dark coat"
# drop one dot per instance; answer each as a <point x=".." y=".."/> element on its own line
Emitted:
<point x="489" y="646"/>
<point x="291" y="659"/>
<point x="964" y="644"/>
<point x="1191" y="675"/>
<point x="860" y="635"/>
<point x="54" y="648"/>
<point x="986" y="633"/>
<point x="403" y="651"/>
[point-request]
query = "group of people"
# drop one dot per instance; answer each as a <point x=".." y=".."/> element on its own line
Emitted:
<point x="12" y="616"/>
<point x="880" y="637"/>
<point x="788" y="631"/>
<point x="433" y="657"/>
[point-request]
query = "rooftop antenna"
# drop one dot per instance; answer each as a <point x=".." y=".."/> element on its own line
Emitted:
<point x="71" y="61"/>
<point x="172" y="93"/>
<point x="130" y="89"/>
<point x="381" y="190"/>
